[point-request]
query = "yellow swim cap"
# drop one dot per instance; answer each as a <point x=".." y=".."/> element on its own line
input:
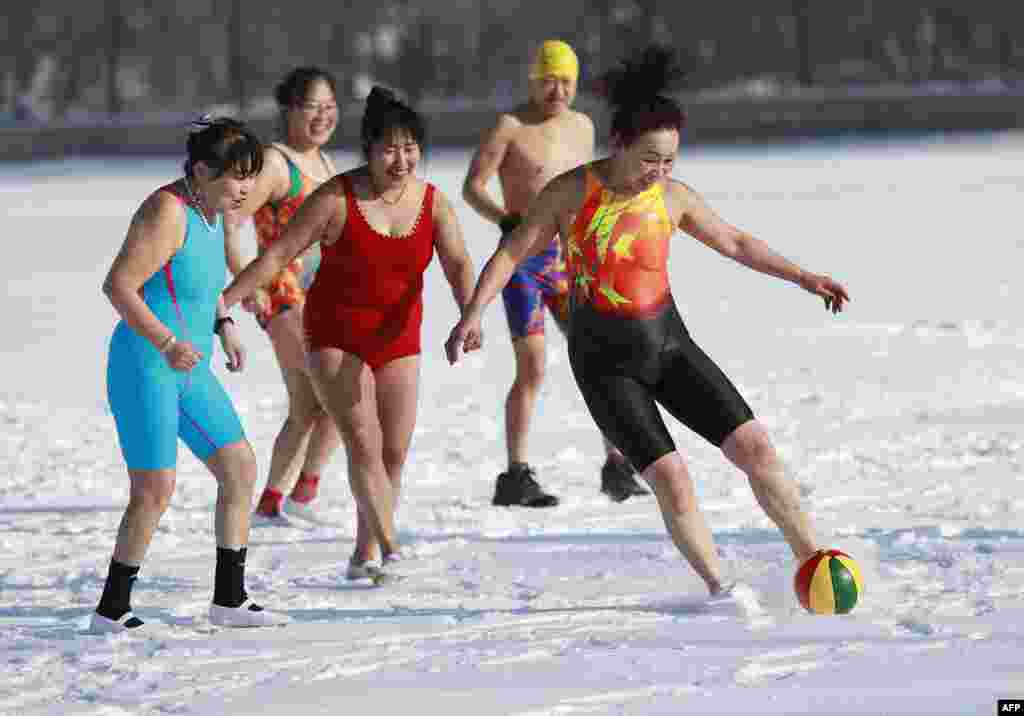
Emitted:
<point x="555" y="58"/>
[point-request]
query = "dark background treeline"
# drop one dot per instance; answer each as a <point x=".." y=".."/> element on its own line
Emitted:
<point x="82" y="61"/>
<point x="109" y="77"/>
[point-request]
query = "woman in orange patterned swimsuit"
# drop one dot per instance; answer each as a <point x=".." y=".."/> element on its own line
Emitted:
<point x="292" y="171"/>
<point x="628" y="346"/>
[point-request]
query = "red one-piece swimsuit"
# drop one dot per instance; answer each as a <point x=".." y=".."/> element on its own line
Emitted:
<point x="367" y="297"/>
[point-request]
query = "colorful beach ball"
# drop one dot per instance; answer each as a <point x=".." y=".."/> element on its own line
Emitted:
<point x="829" y="582"/>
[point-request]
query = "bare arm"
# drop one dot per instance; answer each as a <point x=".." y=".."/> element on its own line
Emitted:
<point x="259" y="301"/>
<point x="485" y="164"/>
<point x="592" y="138"/>
<point x="451" y="251"/>
<point x="156" y="232"/>
<point x="310" y="223"/>
<point x="532" y="236"/>
<point x="701" y="222"/>
<point x="272" y="183"/>
<point x="233" y="243"/>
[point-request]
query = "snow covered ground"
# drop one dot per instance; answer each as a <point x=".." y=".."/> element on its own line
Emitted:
<point x="901" y="419"/>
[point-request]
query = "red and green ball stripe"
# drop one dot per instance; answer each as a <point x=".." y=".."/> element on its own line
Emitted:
<point x="829" y="583"/>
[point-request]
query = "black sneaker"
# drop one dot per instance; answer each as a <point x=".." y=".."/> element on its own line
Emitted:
<point x="618" y="481"/>
<point x="518" y="487"/>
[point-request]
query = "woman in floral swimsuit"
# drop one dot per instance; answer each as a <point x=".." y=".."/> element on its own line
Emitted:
<point x="292" y="170"/>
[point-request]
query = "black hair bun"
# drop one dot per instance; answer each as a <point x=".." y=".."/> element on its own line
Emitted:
<point x="642" y="77"/>
<point x="380" y="97"/>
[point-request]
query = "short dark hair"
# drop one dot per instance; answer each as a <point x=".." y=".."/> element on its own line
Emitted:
<point x="385" y="112"/>
<point x="636" y="92"/>
<point x="294" y="88"/>
<point x="224" y="144"/>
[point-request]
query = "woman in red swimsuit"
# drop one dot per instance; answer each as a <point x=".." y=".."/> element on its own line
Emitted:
<point x="378" y="226"/>
<point x="293" y="169"/>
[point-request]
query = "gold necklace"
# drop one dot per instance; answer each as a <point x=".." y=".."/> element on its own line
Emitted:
<point x="380" y="194"/>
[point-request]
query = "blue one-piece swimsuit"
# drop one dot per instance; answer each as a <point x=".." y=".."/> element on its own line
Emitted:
<point x="153" y="405"/>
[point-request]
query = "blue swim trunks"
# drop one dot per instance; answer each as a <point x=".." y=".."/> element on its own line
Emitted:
<point x="540" y="282"/>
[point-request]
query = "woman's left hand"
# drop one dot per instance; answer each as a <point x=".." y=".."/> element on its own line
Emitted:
<point x="830" y="290"/>
<point x="233" y="347"/>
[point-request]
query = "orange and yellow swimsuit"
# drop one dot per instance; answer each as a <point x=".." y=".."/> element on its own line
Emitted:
<point x="628" y="346"/>
<point x="288" y="289"/>
<point x="617" y="252"/>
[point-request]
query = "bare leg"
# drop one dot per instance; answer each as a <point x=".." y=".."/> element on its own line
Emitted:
<point x="324" y="441"/>
<point x="366" y="547"/>
<point x="234" y="466"/>
<point x="670" y="479"/>
<point x="749" y="448"/>
<point x="149" y="496"/>
<point x="347" y="388"/>
<point x="522" y="396"/>
<point x="305" y="415"/>
<point x="397" y="393"/>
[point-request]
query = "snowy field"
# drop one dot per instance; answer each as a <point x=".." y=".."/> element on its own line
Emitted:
<point x="902" y="419"/>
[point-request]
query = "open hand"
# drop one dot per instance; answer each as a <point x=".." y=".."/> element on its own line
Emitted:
<point x="830" y="290"/>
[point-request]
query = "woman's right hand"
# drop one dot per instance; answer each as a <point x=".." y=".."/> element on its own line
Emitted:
<point x="182" y="356"/>
<point x="466" y="336"/>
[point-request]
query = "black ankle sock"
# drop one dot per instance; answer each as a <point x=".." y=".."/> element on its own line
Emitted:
<point x="229" y="579"/>
<point x="116" y="600"/>
<point x="518" y="466"/>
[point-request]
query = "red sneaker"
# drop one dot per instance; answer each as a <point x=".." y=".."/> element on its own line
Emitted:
<point x="305" y="489"/>
<point x="270" y="503"/>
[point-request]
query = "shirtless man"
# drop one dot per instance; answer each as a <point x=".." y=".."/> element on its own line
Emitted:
<point x="529" y="146"/>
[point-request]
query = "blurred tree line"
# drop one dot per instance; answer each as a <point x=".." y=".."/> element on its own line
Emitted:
<point x="94" y="60"/>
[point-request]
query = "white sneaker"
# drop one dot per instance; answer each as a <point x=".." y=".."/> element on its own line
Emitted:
<point x="370" y="569"/>
<point x="724" y="594"/>
<point x="247" y="614"/>
<point x="739" y="596"/>
<point x="100" y="624"/>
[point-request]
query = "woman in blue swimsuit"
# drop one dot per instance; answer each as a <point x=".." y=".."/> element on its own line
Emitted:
<point x="165" y="283"/>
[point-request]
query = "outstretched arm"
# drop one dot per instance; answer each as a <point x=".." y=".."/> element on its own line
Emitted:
<point x="701" y="222"/>
<point x="529" y="238"/>
<point x="309" y="224"/>
<point x="259" y="300"/>
<point x="485" y="164"/>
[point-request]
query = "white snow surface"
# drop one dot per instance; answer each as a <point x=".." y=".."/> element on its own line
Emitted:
<point x="901" y="419"/>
